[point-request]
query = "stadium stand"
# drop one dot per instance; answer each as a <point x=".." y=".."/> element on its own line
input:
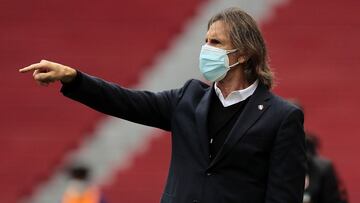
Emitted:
<point x="313" y="47"/>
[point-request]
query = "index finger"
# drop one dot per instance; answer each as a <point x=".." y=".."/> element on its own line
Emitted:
<point x="30" y="68"/>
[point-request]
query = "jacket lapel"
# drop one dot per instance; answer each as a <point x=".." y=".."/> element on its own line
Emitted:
<point x="256" y="106"/>
<point x="201" y="115"/>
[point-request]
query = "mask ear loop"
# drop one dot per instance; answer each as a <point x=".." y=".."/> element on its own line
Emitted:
<point x="235" y="64"/>
<point x="230" y="52"/>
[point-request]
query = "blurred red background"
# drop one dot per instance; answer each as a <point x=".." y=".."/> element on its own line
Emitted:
<point x="313" y="46"/>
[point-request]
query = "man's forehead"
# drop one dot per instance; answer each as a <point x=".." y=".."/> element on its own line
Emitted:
<point x="218" y="30"/>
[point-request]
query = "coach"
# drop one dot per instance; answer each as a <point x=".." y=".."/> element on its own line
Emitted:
<point x="232" y="142"/>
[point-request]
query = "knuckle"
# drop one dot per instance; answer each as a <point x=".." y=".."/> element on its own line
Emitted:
<point x="37" y="77"/>
<point x="45" y="62"/>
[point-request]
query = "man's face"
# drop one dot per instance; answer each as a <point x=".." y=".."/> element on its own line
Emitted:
<point x="218" y="36"/>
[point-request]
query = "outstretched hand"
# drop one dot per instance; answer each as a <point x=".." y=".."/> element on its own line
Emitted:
<point x="47" y="72"/>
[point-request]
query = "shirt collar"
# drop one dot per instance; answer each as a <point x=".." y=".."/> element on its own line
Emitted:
<point x="236" y="96"/>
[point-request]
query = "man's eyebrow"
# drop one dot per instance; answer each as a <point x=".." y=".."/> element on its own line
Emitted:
<point x="213" y="40"/>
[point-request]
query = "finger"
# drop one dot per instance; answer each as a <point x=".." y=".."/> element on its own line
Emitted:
<point x="44" y="77"/>
<point x="36" y="72"/>
<point x="36" y="66"/>
<point x="31" y="68"/>
<point x="41" y="70"/>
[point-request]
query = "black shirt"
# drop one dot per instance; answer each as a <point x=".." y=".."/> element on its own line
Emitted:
<point x="220" y="122"/>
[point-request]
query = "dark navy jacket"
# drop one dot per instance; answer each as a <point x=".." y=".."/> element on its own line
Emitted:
<point x="262" y="160"/>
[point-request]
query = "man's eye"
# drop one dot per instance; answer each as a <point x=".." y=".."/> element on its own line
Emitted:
<point x="214" y="41"/>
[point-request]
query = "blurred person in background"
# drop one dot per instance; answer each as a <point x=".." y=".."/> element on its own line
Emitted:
<point x="322" y="183"/>
<point x="232" y="141"/>
<point x="80" y="189"/>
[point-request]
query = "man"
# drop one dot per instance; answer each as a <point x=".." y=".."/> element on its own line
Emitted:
<point x="324" y="185"/>
<point x="233" y="141"/>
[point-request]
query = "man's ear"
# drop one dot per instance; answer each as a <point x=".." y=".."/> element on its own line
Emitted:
<point x="242" y="59"/>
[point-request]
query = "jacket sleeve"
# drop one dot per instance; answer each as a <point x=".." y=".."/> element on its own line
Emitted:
<point x="143" y="107"/>
<point x="286" y="177"/>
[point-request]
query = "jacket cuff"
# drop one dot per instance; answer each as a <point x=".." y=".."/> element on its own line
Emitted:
<point x="69" y="86"/>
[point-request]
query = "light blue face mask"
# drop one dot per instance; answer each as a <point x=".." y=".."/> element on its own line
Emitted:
<point x="214" y="62"/>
